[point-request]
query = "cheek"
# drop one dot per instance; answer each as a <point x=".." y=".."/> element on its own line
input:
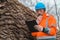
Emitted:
<point x="39" y="12"/>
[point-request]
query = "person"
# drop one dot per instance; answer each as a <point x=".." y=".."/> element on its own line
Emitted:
<point x="46" y="24"/>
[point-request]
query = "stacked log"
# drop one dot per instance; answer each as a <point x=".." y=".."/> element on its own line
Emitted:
<point x="12" y="21"/>
<point x="58" y="35"/>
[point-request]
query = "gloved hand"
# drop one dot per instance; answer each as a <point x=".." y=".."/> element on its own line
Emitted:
<point x="38" y="27"/>
<point x="46" y="30"/>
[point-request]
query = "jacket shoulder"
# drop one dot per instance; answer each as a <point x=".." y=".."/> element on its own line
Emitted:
<point x="49" y="15"/>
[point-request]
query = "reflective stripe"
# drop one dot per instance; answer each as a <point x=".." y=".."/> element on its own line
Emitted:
<point x="46" y="37"/>
<point x="47" y="23"/>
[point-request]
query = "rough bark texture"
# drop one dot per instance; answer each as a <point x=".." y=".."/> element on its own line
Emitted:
<point x="12" y="21"/>
<point x="58" y="35"/>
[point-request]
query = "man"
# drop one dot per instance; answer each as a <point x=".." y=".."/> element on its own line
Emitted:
<point x="46" y="24"/>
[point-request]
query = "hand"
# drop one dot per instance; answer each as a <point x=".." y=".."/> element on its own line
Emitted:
<point x="46" y="30"/>
<point x="38" y="27"/>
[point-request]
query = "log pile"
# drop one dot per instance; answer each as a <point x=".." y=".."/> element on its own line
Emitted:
<point x="58" y="35"/>
<point x="12" y="21"/>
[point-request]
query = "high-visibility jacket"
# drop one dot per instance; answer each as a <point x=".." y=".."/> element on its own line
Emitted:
<point x="51" y="24"/>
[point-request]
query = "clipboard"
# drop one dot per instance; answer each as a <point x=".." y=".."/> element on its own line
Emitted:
<point x="31" y="25"/>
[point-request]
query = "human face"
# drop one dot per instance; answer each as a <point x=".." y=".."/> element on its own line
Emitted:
<point x="40" y="12"/>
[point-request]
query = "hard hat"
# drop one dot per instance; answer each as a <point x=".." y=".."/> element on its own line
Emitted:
<point x="39" y="5"/>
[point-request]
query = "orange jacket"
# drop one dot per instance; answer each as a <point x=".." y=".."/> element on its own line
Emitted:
<point x="51" y="24"/>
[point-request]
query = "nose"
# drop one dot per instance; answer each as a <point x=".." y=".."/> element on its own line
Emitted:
<point x="38" y="12"/>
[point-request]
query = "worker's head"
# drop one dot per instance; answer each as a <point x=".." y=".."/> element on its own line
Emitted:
<point x="2" y="2"/>
<point x="40" y="8"/>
